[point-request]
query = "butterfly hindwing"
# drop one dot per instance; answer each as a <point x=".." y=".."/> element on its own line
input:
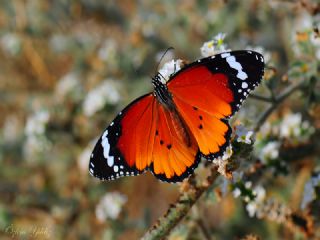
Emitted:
<point x="176" y="152"/>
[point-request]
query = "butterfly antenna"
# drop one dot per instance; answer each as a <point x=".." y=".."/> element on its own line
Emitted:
<point x="167" y="50"/>
<point x="162" y="76"/>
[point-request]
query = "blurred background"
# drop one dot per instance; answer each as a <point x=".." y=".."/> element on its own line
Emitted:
<point x="68" y="67"/>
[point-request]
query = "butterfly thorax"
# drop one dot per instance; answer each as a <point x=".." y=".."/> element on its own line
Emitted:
<point x="162" y="93"/>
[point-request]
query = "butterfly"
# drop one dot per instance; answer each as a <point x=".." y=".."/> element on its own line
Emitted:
<point x="184" y="119"/>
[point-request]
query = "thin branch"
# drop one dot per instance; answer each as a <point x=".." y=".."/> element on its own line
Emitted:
<point x="278" y="100"/>
<point x="261" y="98"/>
<point x="204" y="231"/>
<point x="176" y="213"/>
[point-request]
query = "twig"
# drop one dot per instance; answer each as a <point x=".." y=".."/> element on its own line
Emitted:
<point x="278" y="100"/>
<point x="176" y="212"/>
<point x="261" y="98"/>
<point x="203" y="229"/>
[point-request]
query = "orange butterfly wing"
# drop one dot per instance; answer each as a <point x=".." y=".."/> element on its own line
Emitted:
<point x="145" y="135"/>
<point x="209" y="91"/>
<point x="176" y="152"/>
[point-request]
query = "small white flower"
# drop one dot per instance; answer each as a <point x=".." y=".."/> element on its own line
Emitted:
<point x="290" y="125"/>
<point x="214" y="46"/>
<point x="294" y="129"/>
<point x="251" y="208"/>
<point x="248" y="185"/>
<point x="208" y="49"/>
<point x="270" y="151"/>
<point x="36" y="123"/>
<point x="108" y="50"/>
<point x="169" y="68"/>
<point x="260" y="193"/>
<point x="106" y="92"/>
<point x="67" y="84"/>
<point x="36" y="141"/>
<point x="258" y="202"/>
<point x="219" y="38"/>
<point x="228" y="153"/>
<point x="221" y="162"/>
<point x="110" y="206"/>
<point x="243" y="135"/>
<point x="11" y="43"/>
<point x="236" y="192"/>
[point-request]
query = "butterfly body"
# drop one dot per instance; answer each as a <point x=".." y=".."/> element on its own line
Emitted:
<point x="186" y="118"/>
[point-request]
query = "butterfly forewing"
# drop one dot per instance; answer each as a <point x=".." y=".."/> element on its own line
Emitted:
<point x="115" y="153"/>
<point x="209" y="91"/>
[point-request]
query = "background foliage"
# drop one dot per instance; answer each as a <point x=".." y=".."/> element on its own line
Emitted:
<point x="69" y="66"/>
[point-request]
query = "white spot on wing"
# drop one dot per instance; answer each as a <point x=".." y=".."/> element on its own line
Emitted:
<point x="106" y="149"/>
<point x="115" y="168"/>
<point x="244" y="85"/>
<point x="231" y="60"/>
<point x="91" y="164"/>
